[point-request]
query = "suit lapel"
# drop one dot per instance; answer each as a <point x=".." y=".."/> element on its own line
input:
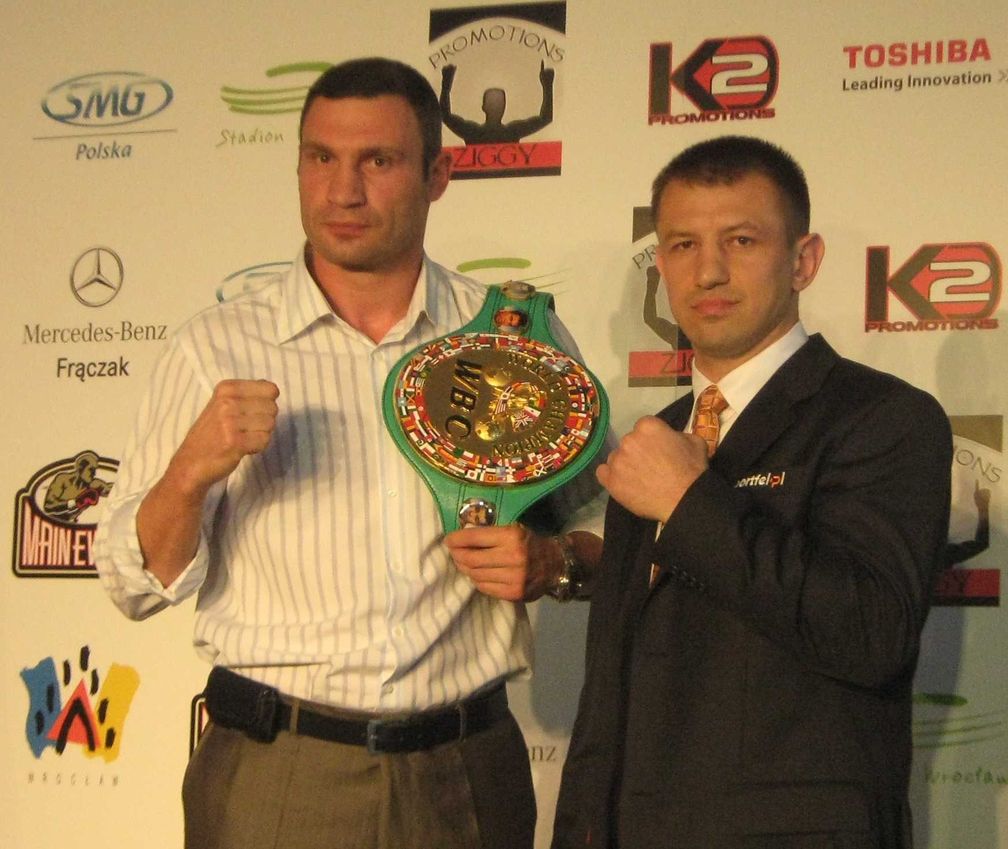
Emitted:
<point x="764" y="419"/>
<point x="773" y="409"/>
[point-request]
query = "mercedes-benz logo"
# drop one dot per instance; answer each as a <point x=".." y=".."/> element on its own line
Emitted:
<point x="97" y="277"/>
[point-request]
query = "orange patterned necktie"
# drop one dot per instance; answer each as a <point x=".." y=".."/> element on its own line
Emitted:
<point x="706" y="424"/>
<point x="706" y="420"/>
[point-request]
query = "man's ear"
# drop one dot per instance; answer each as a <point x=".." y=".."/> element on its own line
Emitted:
<point x="809" y="252"/>
<point x="439" y="175"/>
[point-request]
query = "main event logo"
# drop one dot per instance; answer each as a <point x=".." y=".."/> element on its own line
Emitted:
<point x="725" y="79"/>
<point x="76" y="703"/>
<point x="500" y="61"/>
<point x="952" y="286"/>
<point x="648" y="364"/>
<point x="56" y="515"/>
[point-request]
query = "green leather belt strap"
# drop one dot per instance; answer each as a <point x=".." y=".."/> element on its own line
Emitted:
<point x="495" y="415"/>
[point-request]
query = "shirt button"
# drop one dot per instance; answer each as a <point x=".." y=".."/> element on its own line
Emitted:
<point x="387" y="689"/>
<point x="392" y="493"/>
<point x="398" y="630"/>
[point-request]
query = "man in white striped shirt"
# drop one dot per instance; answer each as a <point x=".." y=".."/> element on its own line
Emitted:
<point x="357" y="694"/>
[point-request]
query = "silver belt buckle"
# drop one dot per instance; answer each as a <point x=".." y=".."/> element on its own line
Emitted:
<point x="372" y="736"/>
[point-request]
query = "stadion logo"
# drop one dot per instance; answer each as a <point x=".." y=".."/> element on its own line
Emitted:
<point x="949" y="720"/>
<point x="56" y="515"/>
<point x="107" y="99"/>
<point x="497" y="67"/>
<point x="268" y="102"/>
<point x="725" y="79"/>
<point x="952" y="286"/>
<point x="75" y="703"/>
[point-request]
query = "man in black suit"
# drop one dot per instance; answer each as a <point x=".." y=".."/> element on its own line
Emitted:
<point x="755" y="619"/>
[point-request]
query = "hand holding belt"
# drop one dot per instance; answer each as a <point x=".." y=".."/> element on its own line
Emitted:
<point x="495" y="415"/>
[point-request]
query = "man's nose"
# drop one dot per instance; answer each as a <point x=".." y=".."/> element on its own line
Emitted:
<point x="346" y="186"/>
<point x="713" y="267"/>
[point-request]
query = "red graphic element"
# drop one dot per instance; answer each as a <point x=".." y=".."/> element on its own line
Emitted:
<point x="968" y="588"/>
<point x="76" y="722"/>
<point x="937" y="282"/>
<point x="520" y="159"/>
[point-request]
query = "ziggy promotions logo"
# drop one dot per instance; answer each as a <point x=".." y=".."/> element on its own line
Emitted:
<point x="76" y="703"/>
<point x="56" y="515"/>
<point x="951" y="286"/>
<point x="498" y="70"/>
<point x="976" y="472"/>
<point x="650" y="363"/>
<point x="725" y="79"/>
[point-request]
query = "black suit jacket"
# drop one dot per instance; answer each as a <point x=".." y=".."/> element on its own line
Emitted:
<point x="761" y="688"/>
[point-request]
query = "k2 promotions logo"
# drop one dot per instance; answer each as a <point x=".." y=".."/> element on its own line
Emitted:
<point x="56" y="514"/>
<point x="74" y="703"/>
<point x="659" y="354"/>
<point x="976" y="478"/>
<point x="497" y="72"/>
<point x="939" y="287"/>
<point x="724" y="79"/>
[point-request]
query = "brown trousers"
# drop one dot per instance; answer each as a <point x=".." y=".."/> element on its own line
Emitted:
<point x="302" y="793"/>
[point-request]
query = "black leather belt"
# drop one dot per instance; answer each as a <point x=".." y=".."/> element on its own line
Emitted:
<point x="261" y="712"/>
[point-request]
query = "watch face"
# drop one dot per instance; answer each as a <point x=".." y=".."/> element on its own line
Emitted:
<point x="495" y="409"/>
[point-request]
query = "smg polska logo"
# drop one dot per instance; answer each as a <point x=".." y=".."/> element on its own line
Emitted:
<point x="725" y="79"/>
<point x="951" y="286"/>
<point x="106" y="101"/>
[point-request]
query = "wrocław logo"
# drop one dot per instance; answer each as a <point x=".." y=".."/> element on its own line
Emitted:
<point x="648" y="364"/>
<point x="725" y="79"/>
<point x="976" y="473"/>
<point x="501" y="61"/>
<point x="267" y="101"/>
<point x="56" y="515"/>
<point x="940" y="287"/>
<point x="76" y="703"/>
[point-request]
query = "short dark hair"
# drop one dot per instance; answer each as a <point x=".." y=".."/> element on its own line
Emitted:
<point x="727" y="159"/>
<point x="375" y="76"/>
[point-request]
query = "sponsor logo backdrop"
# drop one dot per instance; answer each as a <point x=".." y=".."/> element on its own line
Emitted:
<point x="149" y="171"/>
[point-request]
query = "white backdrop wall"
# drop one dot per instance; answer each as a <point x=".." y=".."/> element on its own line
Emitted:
<point x="165" y="136"/>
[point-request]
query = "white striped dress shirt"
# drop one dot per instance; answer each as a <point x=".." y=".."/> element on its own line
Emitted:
<point x="319" y="569"/>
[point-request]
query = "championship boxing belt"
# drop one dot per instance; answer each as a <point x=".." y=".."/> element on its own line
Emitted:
<point x="494" y="416"/>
